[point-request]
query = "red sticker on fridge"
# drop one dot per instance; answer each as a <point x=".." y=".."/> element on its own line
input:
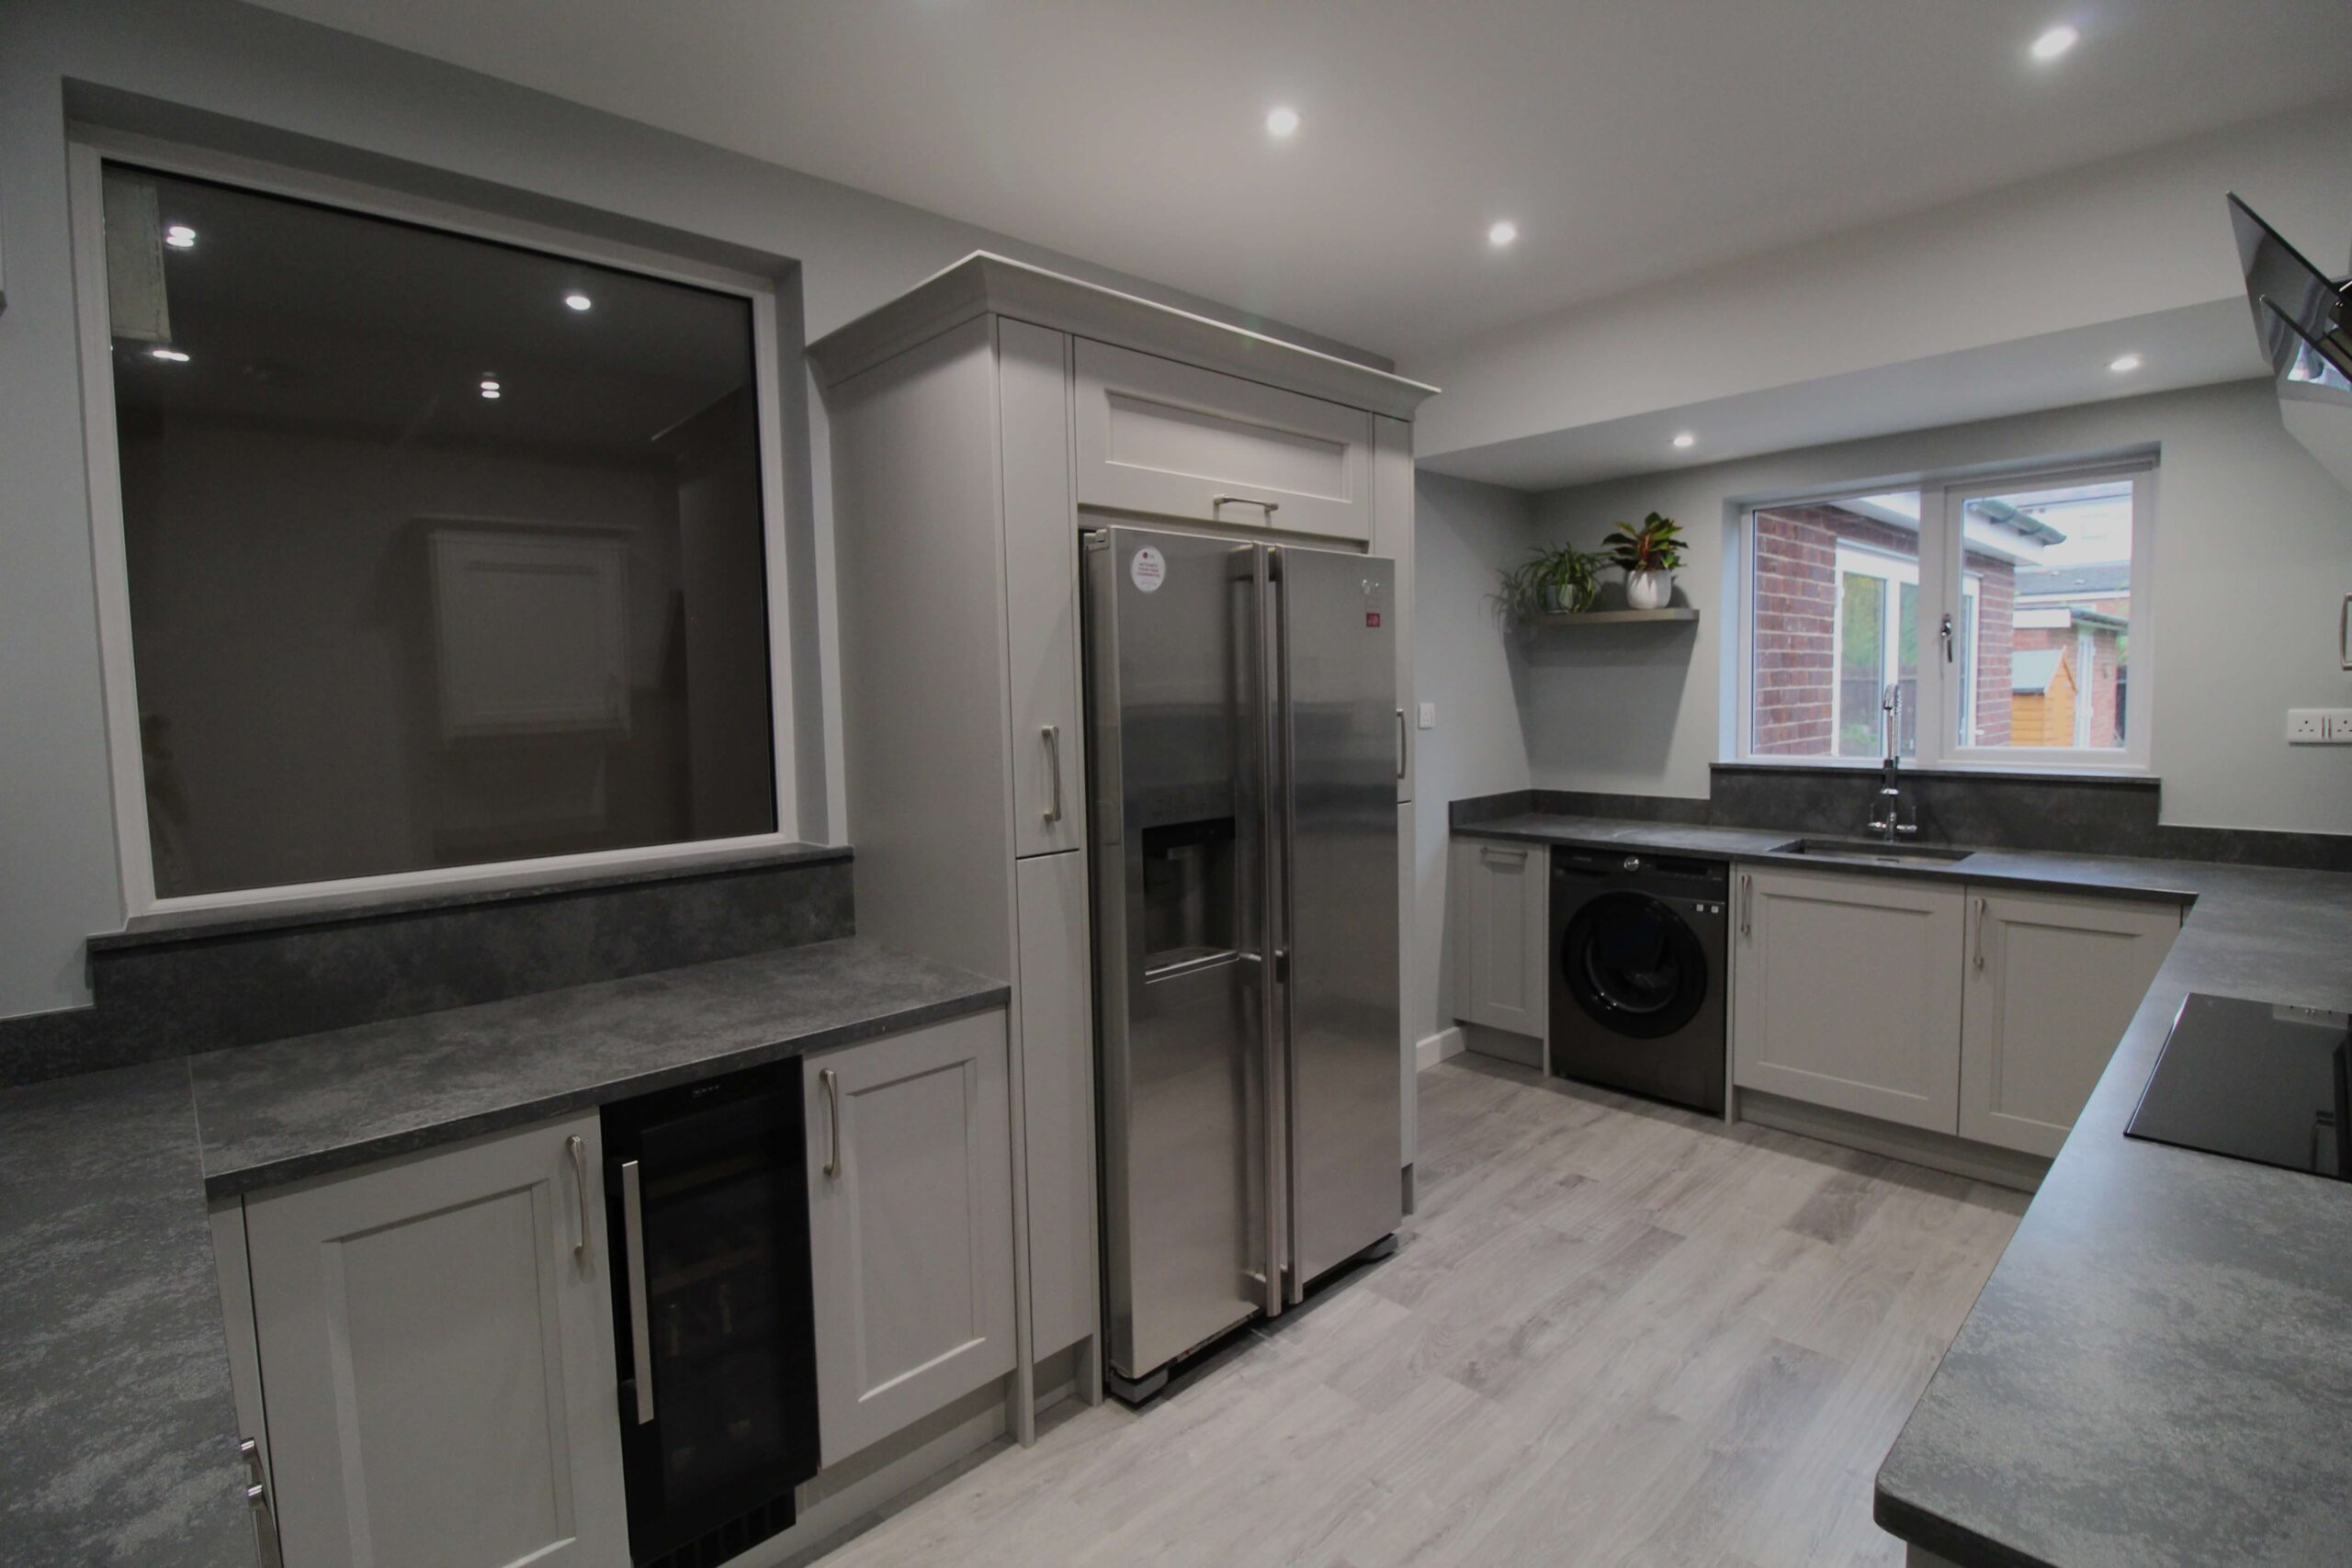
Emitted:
<point x="1372" y="617"/>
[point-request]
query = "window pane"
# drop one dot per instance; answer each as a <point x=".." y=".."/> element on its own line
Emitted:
<point x="440" y="551"/>
<point x="2053" y="648"/>
<point x="1834" y="621"/>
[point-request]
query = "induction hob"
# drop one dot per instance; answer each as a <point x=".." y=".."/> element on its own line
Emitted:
<point x="2255" y="1081"/>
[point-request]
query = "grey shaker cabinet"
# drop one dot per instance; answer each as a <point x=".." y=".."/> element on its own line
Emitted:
<point x="910" y="1226"/>
<point x="436" y="1358"/>
<point x="1501" y="901"/>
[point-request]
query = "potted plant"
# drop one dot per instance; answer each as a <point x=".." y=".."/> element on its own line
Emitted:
<point x="1560" y="580"/>
<point x="1650" y="554"/>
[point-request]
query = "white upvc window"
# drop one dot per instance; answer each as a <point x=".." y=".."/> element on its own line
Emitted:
<point x="432" y="547"/>
<point x="2011" y="615"/>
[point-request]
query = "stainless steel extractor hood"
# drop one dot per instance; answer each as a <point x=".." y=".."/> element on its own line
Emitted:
<point x="2304" y="318"/>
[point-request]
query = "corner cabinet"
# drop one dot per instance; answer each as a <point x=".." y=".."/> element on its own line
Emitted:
<point x="909" y="1226"/>
<point x="1500" y="893"/>
<point x="436" y="1357"/>
<point x="2051" y="985"/>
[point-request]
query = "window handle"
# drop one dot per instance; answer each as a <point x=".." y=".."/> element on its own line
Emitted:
<point x="1948" y="640"/>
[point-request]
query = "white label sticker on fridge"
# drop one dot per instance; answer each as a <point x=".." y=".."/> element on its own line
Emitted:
<point x="1149" y="570"/>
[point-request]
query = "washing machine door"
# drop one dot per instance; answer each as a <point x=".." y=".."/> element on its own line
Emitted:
<point x="1633" y="964"/>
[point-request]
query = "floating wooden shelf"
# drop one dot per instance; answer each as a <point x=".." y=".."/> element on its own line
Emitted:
<point x="1625" y="618"/>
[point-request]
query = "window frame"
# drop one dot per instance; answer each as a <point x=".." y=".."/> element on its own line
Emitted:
<point x="1945" y="584"/>
<point x="89" y="150"/>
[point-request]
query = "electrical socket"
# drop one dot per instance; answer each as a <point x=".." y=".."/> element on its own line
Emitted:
<point x="2339" y="726"/>
<point x="1429" y="715"/>
<point x="2307" y="726"/>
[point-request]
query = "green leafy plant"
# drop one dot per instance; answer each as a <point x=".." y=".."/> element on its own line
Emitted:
<point x="1655" y="546"/>
<point x="1552" y="580"/>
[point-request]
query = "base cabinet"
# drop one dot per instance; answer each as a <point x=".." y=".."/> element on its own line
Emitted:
<point x="436" y="1358"/>
<point x="1500" y="893"/>
<point x="2051" y="985"/>
<point x="910" y="1226"/>
<point x="1846" y="993"/>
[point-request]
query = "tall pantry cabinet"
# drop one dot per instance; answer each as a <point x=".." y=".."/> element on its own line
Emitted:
<point x="978" y="423"/>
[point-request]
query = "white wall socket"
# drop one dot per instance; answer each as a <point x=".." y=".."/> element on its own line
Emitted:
<point x="1429" y="715"/>
<point x="2319" y="726"/>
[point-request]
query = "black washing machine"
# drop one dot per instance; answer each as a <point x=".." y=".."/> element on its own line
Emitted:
<point x="1639" y="967"/>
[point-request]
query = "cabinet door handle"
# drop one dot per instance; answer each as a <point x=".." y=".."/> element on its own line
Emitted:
<point x="266" y="1548"/>
<point x="831" y="1083"/>
<point x="1747" y="900"/>
<point x="577" y="1147"/>
<point x="1218" y="500"/>
<point x="1502" y="856"/>
<point x="2344" y="631"/>
<point x="1980" y="933"/>
<point x="1052" y="735"/>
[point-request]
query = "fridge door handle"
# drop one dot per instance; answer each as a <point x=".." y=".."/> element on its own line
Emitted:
<point x="1404" y="744"/>
<point x="640" y="1332"/>
<point x="1273" y="932"/>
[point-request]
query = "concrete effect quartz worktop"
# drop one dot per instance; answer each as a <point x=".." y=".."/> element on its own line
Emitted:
<point x="117" y="1417"/>
<point x="2159" y="1369"/>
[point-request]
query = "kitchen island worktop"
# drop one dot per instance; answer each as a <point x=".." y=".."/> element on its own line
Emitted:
<point x="2159" y="1369"/>
<point x="121" y="1429"/>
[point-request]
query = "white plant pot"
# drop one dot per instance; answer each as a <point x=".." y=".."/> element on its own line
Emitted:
<point x="1648" y="589"/>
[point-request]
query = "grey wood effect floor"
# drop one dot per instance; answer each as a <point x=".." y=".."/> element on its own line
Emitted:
<point x="1615" y="1333"/>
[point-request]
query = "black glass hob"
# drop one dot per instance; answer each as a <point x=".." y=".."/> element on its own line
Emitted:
<point x="2255" y="1081"/>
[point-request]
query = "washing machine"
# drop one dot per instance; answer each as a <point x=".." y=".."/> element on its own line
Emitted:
<point x="1640" y="967"/>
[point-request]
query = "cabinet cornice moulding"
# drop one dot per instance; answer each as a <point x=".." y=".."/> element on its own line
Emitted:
<point x="985" y="284"/>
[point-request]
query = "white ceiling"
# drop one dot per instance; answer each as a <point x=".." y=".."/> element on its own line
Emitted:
<point x="1630" y="141"/>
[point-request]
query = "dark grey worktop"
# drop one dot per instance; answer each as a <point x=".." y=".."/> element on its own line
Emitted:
<point x="117" y="1416"/>
<point x="115" y="1413"/>
<point x="319" y="1102"/>
<point x="2159" y="1369"/>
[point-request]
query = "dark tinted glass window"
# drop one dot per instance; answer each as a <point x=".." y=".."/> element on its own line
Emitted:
<point x="441" y="551"/>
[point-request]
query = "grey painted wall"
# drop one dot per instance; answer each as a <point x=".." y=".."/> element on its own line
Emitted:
<point x="1463" y="662"/>
<point x="360" y="109"/>
<point x="2253" y="554"/>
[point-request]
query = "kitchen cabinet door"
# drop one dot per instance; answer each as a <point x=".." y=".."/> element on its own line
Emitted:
<point x="910" y="1225"/>
<point x="1846" y="993"/>
<point x="1041" y="590"/>
<point x="1172" y="440"/>
<point x="2052" y="984"/>
<point x="436" y="1358"/>
<point x="1057" y="1090"/>
<point x="1501" y="895"/>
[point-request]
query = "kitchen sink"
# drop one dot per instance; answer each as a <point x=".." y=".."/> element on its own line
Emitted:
<point x="1872" y="850"/>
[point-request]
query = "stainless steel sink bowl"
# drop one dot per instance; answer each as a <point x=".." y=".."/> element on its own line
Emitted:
<point x="1872" y="850"/>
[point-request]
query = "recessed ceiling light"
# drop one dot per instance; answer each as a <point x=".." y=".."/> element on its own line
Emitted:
<point x="1686" y="439"/>
<point x="1281" y="122"/>
<point x="577" y="301"/>
<point x="171" y="356"/>
<point x="180" y="237"/>
<point x="490" y="386"/>
<point x="2122" y="363"/>
<point x="2055" y="42"/>
<point x="1502" y="234"/>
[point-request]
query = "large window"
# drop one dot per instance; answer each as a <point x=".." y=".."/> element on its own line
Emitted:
<point x="434" y="552"/>
<point x="1996" y="621"/>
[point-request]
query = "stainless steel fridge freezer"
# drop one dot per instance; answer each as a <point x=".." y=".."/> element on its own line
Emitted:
<point x="1245" y="745"/>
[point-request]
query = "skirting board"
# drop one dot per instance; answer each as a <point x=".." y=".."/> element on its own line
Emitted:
<point x="1914" y="1145"/>
<point x="1432" y="1049"/>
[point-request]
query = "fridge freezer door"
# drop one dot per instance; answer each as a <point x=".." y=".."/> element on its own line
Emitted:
<point x="1175" y="670"/>
<point x="1337" y="725"/>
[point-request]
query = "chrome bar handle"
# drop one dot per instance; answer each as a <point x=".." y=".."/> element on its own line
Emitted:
<point x="1286" y="804"/>
<point x="1404" y="743"/>
<point x="1052" y="735"/>
<point x="830" y="1081"/>
<point x="1221" y="501"/>
<point x="1747" y="900"/>
<point x="1270" y="929"/>
<point x="577" y="1147"/>
<point x="640" y="1334"/>
<point x="1980" y="933"/>
<point x="266" y="1550"/>
<point x="2344" y="631"/>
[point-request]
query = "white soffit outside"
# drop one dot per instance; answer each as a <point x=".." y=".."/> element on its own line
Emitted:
<point x="2193" y="347"/>
<point x="1628" y="142"/>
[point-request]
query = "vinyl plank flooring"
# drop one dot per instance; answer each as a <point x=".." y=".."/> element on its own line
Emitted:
<point x="1615" y="1333"/>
